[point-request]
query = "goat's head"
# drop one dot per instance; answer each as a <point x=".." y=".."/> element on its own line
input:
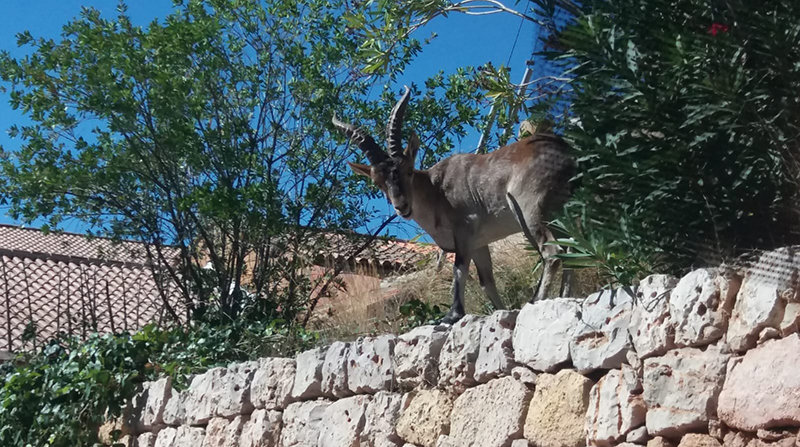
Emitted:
<point x="392" y="172"/>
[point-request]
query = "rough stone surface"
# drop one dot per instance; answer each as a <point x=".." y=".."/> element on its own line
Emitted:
<point x="638" y="435"/>
<point x="791" y="319"/>
<point x="166" y="437"/>
<point x="496" y="354"/>
<point x="615" y="407"/>
<point x="380" y="420"/>
<point x="446" y="441"/>
<point x="543" y="332"/>
<point x="651" y="327"/>
<point x="742" y="439"/>
<point x="308" y="374"/>
<point x="659" y="441"/>
<point x="202" y="397"/>
<point x="343" y="421"/>
<point x="221" y="432"/>
<point x="520" y="443"/>
<point x="262" y="429"/>
<point x="425" y="417"/>
<point x="147" y="407"/>
<point x="681" y="390"/>
<point x="460" y="352"/>
<point x="302" y="422"/>
<point x="416" y="356"/>
<point x="698" y="440"/>
<point x="271" y="387"/>
<point x="700" y="306"/>
<point x="490" y="415"/>
<point x="761" y="389"/>
<point x="175" y="409"/>
<point x="369" y="364"/>
<point x="234" y="394"/>
<point x="758" y="307"/>
<point x="557" y="413"/>
<point x="524" y="375"/>
<point x="334" y="370"/>
<point x="189" y="436"/>
<point x="146" y="440"/>
<point x="602" y="340"/>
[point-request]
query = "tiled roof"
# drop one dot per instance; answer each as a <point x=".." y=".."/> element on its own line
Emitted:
<point x="63" y="282"/>
<point x="388" y="255"/>
<point x="68" y="283"/>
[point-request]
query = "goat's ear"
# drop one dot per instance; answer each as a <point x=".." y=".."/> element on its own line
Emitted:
<point x="413" y="146"/>
<point x="360" y="169"/>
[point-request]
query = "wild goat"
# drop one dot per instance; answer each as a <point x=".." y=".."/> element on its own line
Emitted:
<point x="466" y="201"/>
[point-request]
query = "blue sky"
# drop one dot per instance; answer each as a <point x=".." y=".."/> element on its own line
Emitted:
<point x="462" y="40"/>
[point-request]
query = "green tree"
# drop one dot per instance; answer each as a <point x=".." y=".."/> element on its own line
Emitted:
<point x="210" y="131"/>
<point x="684" y="118"/>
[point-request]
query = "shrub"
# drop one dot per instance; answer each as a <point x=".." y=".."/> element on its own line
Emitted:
<point x="684" y="121"/>
<point x="60" y="395"/>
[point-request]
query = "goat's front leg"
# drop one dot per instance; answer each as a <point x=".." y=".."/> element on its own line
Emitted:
<point x="460" y="273"/>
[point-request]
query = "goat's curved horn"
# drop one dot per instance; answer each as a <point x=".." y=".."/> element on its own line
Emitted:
<point x="365" y="142"/>
<point x="394" y="130"/>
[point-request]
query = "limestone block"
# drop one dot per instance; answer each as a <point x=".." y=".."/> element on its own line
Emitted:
<point x="490" y="415"/>
<point x="334" y="370"/>
<point x="700" y="306"/>
<point x="308" y="374"/>
<point x="426" y="416"/>
<point x="202" y="397"/>
<point x="524" y="375"/>
<point x="761" y="389"/>
<point x="602" y="340"/>
<point x="759" y="306"/>
<point x="520" y="443"/>
<point x="791" y="319"/>
<point x="146" y="410"/>
<point x="638" y="435"/>
<point x="557" y="413"/>
<point x="681" y="390"/>
<point x="175" y="409"/>
<point x="343" y="421"/>
<point x="460" y="352"/>
<point x="651" y="327"/>
<point x="496" y="353"/>
<point x="380" y="420"/>
<point x="659" y="441"/>
<point x="188" y="436"/>
<point x="234" y="395"/>
<point x="166" y="437"/>
<point x="221" y="432"/>
<point x="543" y="332"/>
<point x="262" y="429"/>
<point x="146" y="440"/>
<point x="369" y="364"/>
<point x="698" y="440"/>
<point x="271" y="387"/>
<point x="416" y="356"/>
<point x="615" y="407"/>
<point x="446" y="441"/>
<point x="302" y="422"/>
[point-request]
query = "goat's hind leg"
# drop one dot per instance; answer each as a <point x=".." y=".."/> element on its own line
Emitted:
<point x="483" y="264"/>
<point x="529" y="217"/>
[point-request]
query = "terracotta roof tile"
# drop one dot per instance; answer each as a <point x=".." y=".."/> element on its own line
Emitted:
<point x="68" y="283"/>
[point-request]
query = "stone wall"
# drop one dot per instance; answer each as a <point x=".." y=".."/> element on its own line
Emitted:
<point x="707" y="359"/>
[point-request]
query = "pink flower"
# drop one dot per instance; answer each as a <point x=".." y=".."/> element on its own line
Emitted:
<point x="717" y="28"/>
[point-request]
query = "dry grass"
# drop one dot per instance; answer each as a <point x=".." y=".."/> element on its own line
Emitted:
<point x="369" y="306"/>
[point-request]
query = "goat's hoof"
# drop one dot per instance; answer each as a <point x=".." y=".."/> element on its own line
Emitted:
<point x="452" y="317"/>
